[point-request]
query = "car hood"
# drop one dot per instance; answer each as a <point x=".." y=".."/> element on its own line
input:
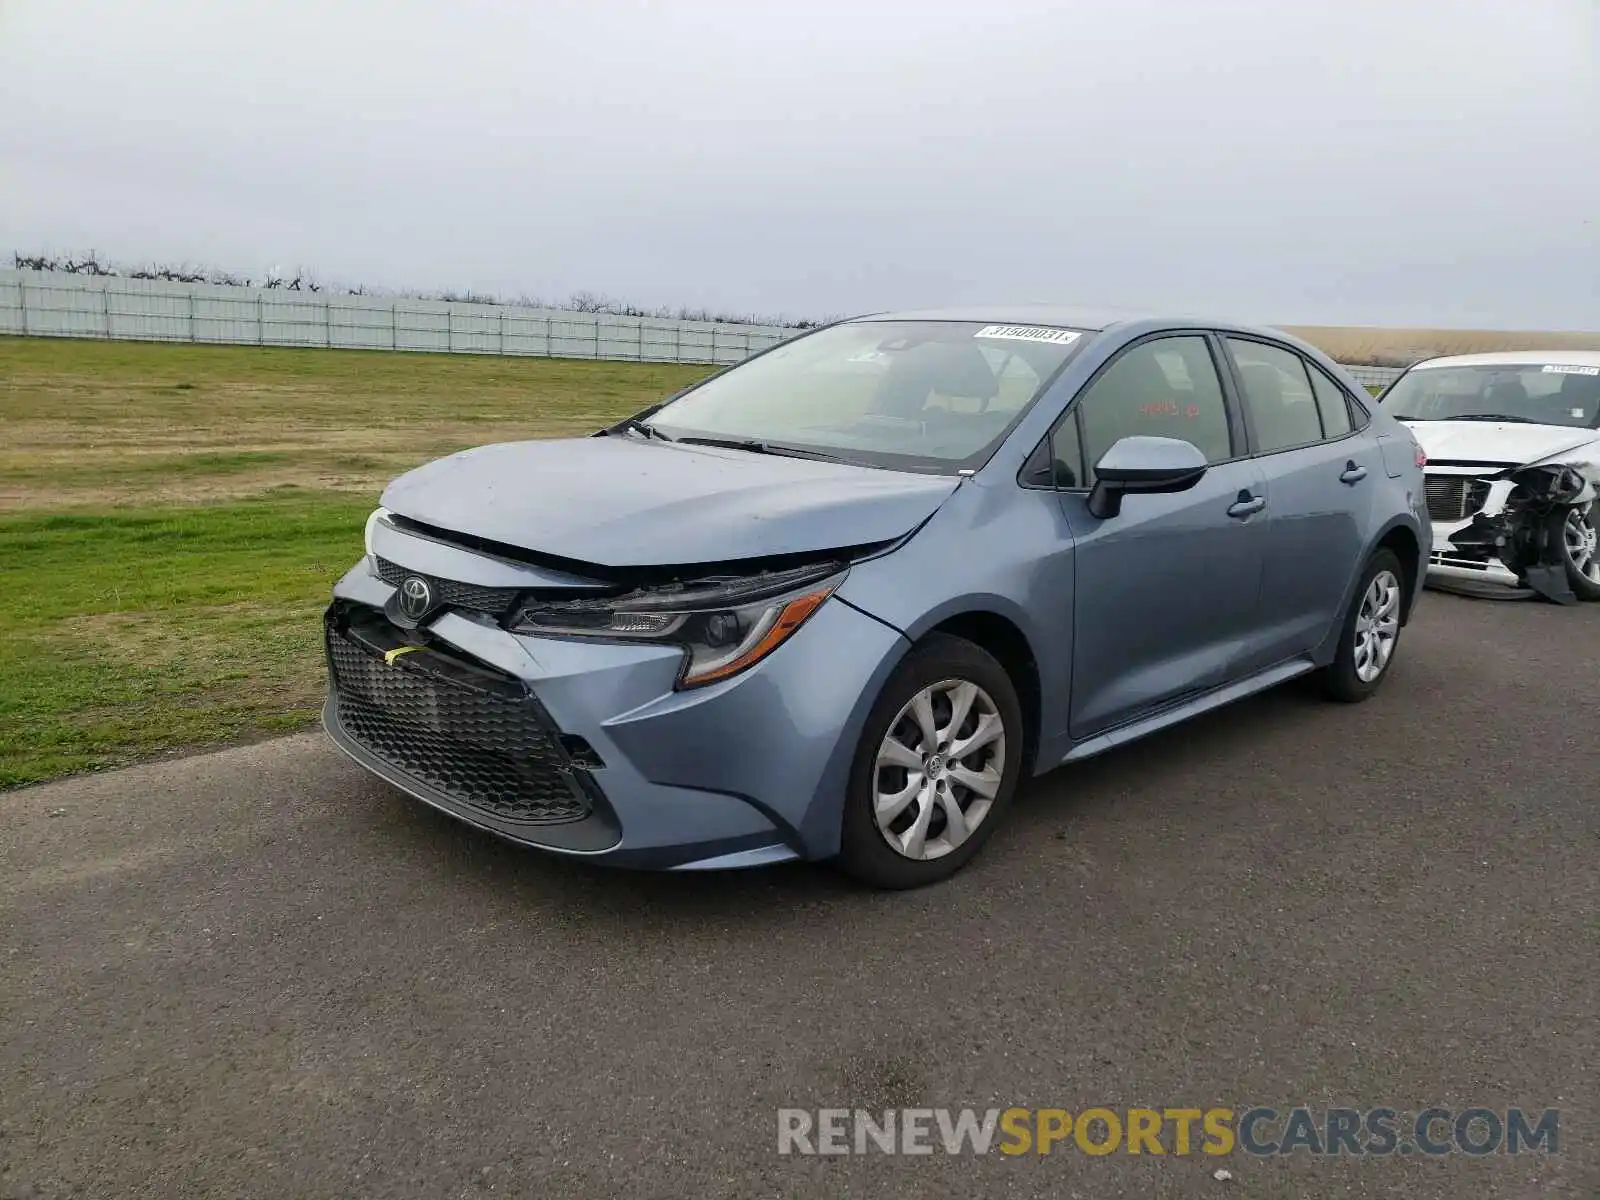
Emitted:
<point x="625" y="502"/>
<point x="1508" y="442"/>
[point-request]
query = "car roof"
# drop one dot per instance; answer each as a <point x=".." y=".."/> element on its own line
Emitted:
<point x="1515" y="358"/>
<point x="1093" y="319"/>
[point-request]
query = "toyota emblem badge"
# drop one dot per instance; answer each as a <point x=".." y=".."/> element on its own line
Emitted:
<point x="416" y="596"/>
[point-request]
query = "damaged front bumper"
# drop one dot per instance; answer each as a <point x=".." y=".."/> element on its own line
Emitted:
<point x="587" y="748"/>
<point x="1505" y="535"/>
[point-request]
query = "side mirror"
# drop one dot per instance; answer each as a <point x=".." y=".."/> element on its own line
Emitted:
<point x="1143" y="464"/>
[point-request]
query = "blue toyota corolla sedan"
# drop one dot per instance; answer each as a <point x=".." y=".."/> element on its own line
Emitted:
<point x="838" y="600"/>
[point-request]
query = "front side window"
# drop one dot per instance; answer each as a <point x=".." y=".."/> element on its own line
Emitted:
<point x="1549" y="393"/>
<point x="1166" y="387"/>
<point x="1277" y="396"/>
<point x="914" y="395"/>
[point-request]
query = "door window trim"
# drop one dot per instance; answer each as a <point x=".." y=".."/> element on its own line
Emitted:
<point x="1237" y="440"/>
<point x="1349" y="401"/>
<point x="1361" y="403"/>
<point x="1306" y="365"/>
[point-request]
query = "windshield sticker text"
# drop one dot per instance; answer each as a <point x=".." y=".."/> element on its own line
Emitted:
<point x="1028" y="333"/>
<point x="1556" y="369"/>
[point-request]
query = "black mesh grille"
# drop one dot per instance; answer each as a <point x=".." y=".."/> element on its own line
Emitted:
<point x="486" y="747"/>
<point x="1452" y="497"/>
<point x="453" y="593"/>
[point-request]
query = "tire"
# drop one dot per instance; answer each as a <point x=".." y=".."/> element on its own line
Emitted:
<point x="944" y="669"/>
<point x="1576" y="531"/>
<point x="1347" y="677"/>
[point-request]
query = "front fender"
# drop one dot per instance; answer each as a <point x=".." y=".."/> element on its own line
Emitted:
<point x="997" y="551"/>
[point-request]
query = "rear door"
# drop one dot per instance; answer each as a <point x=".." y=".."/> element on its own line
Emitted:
<point x="1320" y="475"/>
<point x="1167" y="590"/>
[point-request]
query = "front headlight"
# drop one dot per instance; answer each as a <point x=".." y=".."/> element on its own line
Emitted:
<point x="724" y="628"/>
<point x="377" y="515"/>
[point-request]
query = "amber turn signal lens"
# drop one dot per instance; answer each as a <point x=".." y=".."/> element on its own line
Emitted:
<point x="789" y="618"/>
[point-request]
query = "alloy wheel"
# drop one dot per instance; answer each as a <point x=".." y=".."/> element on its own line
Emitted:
<point x="1377" y="626"/>
<point x="1582" y="544"/>
<point x="939" y="769"/>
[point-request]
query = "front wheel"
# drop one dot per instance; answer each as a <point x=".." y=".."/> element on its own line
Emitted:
<point x="1580" y="550"/>
<point x="1371" y="632"/>
<point x="936" y="767"/>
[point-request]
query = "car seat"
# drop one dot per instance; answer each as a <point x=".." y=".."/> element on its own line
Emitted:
<point x="1579" y="402"/>
<point x="1269" y="407"/>
<point x="951" y="368"/>
<point x="1142" y="401"/>
<point x="1507" y="396"/>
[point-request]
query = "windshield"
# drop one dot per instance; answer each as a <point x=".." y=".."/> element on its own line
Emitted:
<point x="915" y="395"/>
<point x="1551" y="393"/>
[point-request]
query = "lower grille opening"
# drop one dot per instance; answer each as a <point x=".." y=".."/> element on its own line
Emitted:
<point x="1439" y="558"/>
<point x="1454" y="497"/>
<point x="580" y="751"/>
<point x="489" y="747"/>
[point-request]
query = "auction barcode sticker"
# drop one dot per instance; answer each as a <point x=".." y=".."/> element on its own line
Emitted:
<point x="1029" y="333"/>
<point x="1557" y="369"/>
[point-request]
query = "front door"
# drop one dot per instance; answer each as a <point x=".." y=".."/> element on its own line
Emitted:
<point x="1168" y="590"/>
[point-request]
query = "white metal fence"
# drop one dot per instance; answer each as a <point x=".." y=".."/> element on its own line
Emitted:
<point x="59" y="304"/>
<point x="1373" y="376"/>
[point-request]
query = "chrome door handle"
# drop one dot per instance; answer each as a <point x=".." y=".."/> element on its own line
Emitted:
<point x="1247" y="508"/>
<point x="1353" y="473"/>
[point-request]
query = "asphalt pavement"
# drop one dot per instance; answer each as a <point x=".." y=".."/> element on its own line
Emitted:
<point x="260" y="973"/>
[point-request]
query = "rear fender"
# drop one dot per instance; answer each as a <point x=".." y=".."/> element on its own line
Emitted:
<point x="1325" y="651"/>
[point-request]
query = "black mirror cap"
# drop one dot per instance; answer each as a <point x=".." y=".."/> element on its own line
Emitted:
<point x="1105" y="500"/>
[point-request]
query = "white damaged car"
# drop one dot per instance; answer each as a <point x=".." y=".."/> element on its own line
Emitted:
<point x="1513" y="448"/>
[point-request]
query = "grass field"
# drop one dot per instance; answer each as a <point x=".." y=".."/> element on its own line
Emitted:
<point x="172" y="517"/>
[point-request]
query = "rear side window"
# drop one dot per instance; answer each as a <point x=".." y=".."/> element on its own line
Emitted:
<point x="1332" y="403"/>
<point x="1166" y="387"/>
<point x="1277" y="396"/>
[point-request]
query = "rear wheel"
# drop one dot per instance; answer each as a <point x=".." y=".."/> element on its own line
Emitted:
<point x="1371" y="632"/>
<point x="936" y="767"/>
<point x="1580" y="551"/>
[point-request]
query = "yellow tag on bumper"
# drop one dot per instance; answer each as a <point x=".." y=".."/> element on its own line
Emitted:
<point x="390" y="655"/>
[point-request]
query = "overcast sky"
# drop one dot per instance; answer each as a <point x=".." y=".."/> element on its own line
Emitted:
<point x="1419" y="162"/>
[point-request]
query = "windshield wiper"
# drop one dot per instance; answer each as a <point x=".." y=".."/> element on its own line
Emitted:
<point x="649" y="431"/>
<point x="1494" y="417"/>
<point x="757" y="446"/>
